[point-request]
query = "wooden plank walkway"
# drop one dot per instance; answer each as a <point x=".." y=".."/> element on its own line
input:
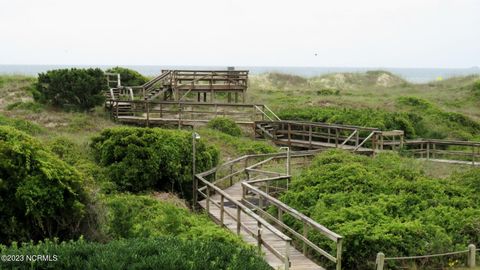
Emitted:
<point x="297" y="259"/>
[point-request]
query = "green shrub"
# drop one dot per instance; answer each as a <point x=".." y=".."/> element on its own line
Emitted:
<point x="133" y="216"/>
<point x="20" y="124"/>
<point x="40" y="195"/>
<point x="128" y="77"/>
<point x="225" y="125"/>
<point x="151" y="253"/>
<point x="328" y="92"/>
<point x="385" y="204"/>
<point x="476" y="88"/>
<point x="27" y="106"/>
<point x="77" y="89"/>
<point x="235" y="146"/>
<point x="141" y="158"/>
<point x="418" y="118"/>
<point x="361" y="117"/>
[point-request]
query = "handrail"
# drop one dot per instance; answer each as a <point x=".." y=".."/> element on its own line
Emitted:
<point x="153" y="81"/>
<point x="366" y="139"/>
<point x="470" y="251"/>
<point x="261" y="223"/>
<point x="349" y="137"/>
<point x="130" y="91"/>
<point x="269" y="110"/>
<point x="226" y="172"/>
<point x="444" y="142"/>
<point x="246" y="210"/>
<point x="324" y="230"/>
<point x="321" y="124"/>
<point x="112" y="94"/>
<point x="260" y="110"/>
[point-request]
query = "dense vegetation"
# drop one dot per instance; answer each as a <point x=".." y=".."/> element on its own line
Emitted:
<point x="386" y="204"/>
<point x="76" y="89"/>
<point x="139" y="216"/>
<point x="225" y="125"/>
<point x="418" y="118"/>
<point x="150" y="253"/>
<point x="143" y="158"/>
<point x="376" y="99"/>
<point x="40" y="195"/>
<point x="128" y="77"/>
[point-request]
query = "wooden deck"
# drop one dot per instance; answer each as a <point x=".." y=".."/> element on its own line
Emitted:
<point x="297" y="259"/>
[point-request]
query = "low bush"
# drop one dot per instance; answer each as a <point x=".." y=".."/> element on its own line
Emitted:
<point x="40" y="195"/>
<point x="476" y="88"/>
<point x="133" y="216"/>
<point x="328" y="92"/>
<point x="20" y="124"/>
<point x="128" y="77"/>
<point x="383" y="120"/>
<point x="418" y="118"/>
<point x="385" y="204"/>
<point x="148" y="253"/>
<point x="138" y="159"/>
<point x="225" y="125"/>
<point x="71" y="89"/>
<point x="27" y="106"/>
<point x="236" y="146"/>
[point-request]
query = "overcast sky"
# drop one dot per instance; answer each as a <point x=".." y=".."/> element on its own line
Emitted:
<point x="334" y="33"/>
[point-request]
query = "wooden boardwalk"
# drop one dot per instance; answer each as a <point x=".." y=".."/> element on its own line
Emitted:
<point x="297" y="260"/>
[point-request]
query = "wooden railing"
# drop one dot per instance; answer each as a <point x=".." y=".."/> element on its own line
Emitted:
<point x="208" y="188"/>
<point x="449" y="150"/>
<point x="470" y="251"/>
<point x="308" y="224"/>
<point x="242" y="170"/>
<point x="318" y="135"/>
<point x="145" y="112"/>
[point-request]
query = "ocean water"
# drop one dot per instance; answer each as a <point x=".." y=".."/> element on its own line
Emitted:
<point x="415" y="75"/>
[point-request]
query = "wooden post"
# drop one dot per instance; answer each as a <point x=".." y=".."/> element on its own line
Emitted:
<point x="339" y="254"/>
<point x="208" y="200"/>
<point x="161" y="110"/>
<point x="231" y="177"/>
<point x="328" y="140"/>
<point x="289" y="134"/>
<point x="421" y="151"/>
<point x="238" y="219"/>
<point x="180" y="115"/>
<point x="259" y="235"/>
<point x="305" y="233"/>
<point x="287" y="255"/>
<point x="434" y="148"/>
<point x="148" y="114"/>
<point x="260" y="203"/>
<point x="428" y="150"/>
<point x="473" y="155"/>
<point x="222" y="209"/>
<point x="471" y="256"/>
<point x="310" y="136"/>
<point x="357" y="138"/>
<point x="380" y="260"/>
<point x="336" y="137"/>
<point x="280" y="214"/>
